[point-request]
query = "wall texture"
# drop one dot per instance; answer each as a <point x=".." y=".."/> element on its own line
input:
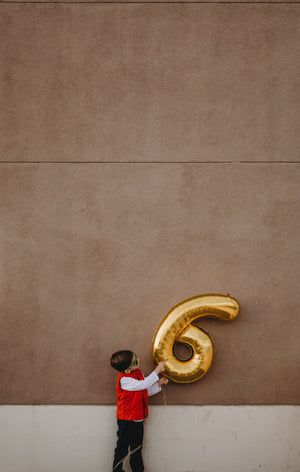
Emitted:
<point x="177" y="439"/>
<point x="148" y="154"/>
<point x="149" y="82"/>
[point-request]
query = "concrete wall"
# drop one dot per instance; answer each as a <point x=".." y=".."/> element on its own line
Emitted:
<point x="94" y="255"/>
<point x="148" y="153"/>
<point x="177" y="439"/>
<point x="149" y="82"/>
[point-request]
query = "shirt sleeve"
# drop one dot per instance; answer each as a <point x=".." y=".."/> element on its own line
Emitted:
<point x="155" y="388"/>
<point x="133" y="385"/>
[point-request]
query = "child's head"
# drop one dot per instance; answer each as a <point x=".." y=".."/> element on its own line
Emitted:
<point x="124" y="361"/>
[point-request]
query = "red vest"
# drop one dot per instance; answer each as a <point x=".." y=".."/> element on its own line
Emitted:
<point x="131" y="406"/>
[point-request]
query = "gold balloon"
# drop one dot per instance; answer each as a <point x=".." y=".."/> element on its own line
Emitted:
<point x="176" y="327"/>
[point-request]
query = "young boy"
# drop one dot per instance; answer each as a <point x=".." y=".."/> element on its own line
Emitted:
<point x="132" y="406"/>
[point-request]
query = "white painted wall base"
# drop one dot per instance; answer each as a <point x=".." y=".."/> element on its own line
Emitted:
<point x="177" y="439"/>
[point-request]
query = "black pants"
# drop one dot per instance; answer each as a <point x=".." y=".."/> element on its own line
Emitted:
<point x="130" y="434"/>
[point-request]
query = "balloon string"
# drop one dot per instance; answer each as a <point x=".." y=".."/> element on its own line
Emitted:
<point x="164" y="394"/>
<point x="127" y="455"/>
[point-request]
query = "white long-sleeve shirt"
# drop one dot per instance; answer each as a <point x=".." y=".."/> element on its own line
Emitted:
<point x="150" y="383"/>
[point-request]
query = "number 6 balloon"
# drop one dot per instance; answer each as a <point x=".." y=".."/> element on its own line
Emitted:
<point x="177" y="327"/>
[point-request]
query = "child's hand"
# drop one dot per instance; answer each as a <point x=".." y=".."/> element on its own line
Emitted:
<point x="160" y="368"/>
<point x="163" y="381"/>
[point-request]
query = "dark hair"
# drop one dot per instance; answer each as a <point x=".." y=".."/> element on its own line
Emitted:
<point x="121" y="360"/>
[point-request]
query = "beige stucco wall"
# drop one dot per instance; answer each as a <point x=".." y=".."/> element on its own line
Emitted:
<point x="149" y="82"/>
<point x="148" y="154"/>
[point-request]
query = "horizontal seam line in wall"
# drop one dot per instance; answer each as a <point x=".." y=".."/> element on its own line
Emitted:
<point x="149" y="162"/>
<point x="148" y="3"/>
<point x="222" y="405"/>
